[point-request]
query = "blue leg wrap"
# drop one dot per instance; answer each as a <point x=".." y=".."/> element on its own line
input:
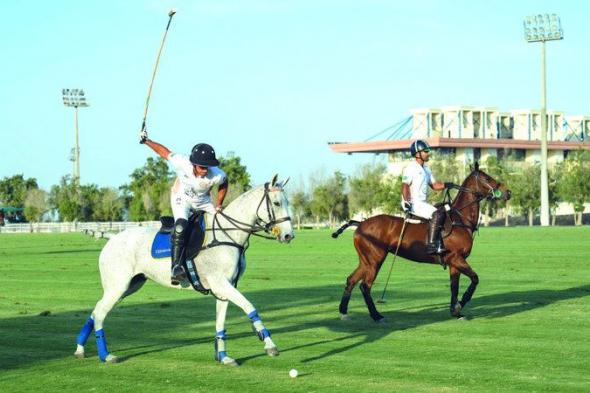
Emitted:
<point x="220" y="352"/>
<point x="101" y="345"/>
<point x="264" y="333"/>
<point x="254" y="316"/>
<point x="85" y="332"/>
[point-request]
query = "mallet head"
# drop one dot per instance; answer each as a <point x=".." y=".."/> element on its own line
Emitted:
<point x="172" y="12"/>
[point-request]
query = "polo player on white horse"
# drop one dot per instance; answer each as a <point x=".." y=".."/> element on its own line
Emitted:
<point x="191" y="192"/>
<point x="127" y="261"/>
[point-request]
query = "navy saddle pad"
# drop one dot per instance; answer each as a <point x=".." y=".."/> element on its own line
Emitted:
<point x="161" y="245"/>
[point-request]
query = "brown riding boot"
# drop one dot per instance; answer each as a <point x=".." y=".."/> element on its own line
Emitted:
<point x="435" y="245"/>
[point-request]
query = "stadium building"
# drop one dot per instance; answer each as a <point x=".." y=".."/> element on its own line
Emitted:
<point x="474" y="133"/>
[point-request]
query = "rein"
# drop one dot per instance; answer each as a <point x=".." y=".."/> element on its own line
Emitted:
<point x="251" y="229"/>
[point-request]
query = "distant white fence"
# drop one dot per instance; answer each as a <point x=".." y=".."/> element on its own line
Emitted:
<point x="88" y="227"/>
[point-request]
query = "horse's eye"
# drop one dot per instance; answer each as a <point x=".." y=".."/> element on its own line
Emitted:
<point x="276" y="204"/>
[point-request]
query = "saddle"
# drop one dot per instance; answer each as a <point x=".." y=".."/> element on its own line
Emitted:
<point x="195" y="236"/>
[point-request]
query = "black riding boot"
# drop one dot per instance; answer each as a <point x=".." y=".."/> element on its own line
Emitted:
<point x="178" y="273"/>
<point x="435" y="244"/>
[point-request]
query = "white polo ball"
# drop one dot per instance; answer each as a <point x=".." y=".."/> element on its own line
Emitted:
<point x="293" y="373"/>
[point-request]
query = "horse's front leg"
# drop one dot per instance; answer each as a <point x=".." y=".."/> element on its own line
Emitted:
<point x="223" y="289"/>
<point x="220" y="349"/>
<point x="463" y="267"/>
<point x="455" y="307"/>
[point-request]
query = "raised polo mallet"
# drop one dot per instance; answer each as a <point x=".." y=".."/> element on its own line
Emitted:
<point x="149" y="94"/>
<point x="399" y="242"/>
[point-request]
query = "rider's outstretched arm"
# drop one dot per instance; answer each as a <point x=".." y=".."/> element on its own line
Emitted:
<point x="161" y="150"/>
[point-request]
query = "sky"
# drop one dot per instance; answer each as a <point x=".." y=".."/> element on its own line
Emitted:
<point x="272" y="81"/>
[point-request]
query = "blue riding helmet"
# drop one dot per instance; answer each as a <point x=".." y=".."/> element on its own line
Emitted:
<point x="418" y="146"/>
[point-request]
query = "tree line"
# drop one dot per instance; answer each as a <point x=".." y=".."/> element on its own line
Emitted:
<point x="329" y="199"/>
<point x="371" y="191"/>
<point x="145" y="198"/>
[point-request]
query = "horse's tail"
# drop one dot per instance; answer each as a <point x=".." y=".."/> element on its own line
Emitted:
<point x="343" y="227"/>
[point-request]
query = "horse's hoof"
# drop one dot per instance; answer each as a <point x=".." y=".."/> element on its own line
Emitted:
<point x="344" y="317"/>
<point x="461" y="318"/>
<point x="227" y="361"/>
<point x="456" y="312"/>
<point x="273" y="351"/>
<point x="111" y="359"/>
<point x="79" y="354"/>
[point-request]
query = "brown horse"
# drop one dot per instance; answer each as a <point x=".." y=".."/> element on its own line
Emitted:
<point x="379" y="235"/>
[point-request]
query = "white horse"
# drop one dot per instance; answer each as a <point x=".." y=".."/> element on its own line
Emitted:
<point x="125" y="263"/>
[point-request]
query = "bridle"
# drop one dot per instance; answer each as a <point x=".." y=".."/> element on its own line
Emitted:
<point x="492" y="194"/>
<point x="268" y="226"/>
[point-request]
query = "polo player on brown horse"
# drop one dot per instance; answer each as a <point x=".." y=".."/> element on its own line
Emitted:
<point x="379" y="235"/>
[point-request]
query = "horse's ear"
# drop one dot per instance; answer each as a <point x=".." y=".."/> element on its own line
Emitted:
<point x="476" y="166"/>
<point x="274" y="180"/>
<point x="285" y="182"/>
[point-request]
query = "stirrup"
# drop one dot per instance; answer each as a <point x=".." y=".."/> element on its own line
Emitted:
<point x="178" y="274"/>
<point x="435" y="249"/>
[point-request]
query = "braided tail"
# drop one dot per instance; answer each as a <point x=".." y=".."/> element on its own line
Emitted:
<point x="343" y="227"/>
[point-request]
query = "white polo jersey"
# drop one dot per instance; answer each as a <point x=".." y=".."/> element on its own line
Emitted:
<point x="419" y="178"/>
<point x="193" y="189"/>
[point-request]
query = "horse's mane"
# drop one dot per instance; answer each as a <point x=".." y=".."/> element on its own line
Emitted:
<point x="472" y="174"/>
<point x="245" y="195"/>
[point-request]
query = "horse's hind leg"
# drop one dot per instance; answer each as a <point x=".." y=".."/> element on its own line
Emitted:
<point x="365" y="287"/>
<point x="112" y="293"/>
<point x="350" y="284"/>
<point x="224" y="290"/>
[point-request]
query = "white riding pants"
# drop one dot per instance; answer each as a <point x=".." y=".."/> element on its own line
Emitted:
<point x="182" y="206"/>
<point x="423" y="209"/>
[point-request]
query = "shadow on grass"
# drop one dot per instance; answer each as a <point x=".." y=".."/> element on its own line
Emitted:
<point x="26" y="340"/>
<point x="73" y="251"/>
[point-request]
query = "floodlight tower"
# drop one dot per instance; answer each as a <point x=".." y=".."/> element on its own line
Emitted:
<point x="542" y="28"/>
<point x="75" y="98"/>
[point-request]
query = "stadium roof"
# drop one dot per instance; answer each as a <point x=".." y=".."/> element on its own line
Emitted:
<point x="403" y="145"/>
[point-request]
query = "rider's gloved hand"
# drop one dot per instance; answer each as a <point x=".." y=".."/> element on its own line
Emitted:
<point x="407" y="206"/>
<point x="143" y="136"/>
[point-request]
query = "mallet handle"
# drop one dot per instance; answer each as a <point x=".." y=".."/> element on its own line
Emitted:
<point x="399" y="242"/>
<point x="149" y="94"/>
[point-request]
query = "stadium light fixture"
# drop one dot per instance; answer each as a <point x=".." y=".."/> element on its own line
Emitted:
<point x="542" y="28"/>
<point x="77" y="99"/>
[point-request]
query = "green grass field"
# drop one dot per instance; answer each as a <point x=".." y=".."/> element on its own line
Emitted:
<point x="528" y="327"/>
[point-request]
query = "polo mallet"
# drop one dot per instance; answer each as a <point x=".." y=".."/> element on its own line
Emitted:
<point x="401" y="236"/>
<point x="149" y="94"/>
